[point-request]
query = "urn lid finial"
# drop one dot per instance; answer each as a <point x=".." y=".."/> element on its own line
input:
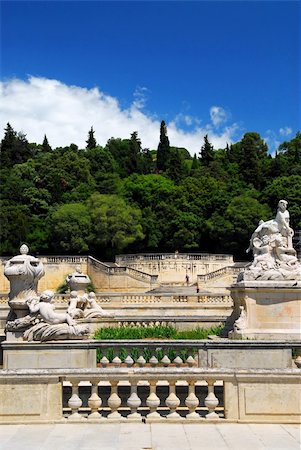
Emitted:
<point x="24" y="249"/>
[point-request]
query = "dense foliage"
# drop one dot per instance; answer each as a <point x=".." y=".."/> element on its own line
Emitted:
<point x="124" y="198"/>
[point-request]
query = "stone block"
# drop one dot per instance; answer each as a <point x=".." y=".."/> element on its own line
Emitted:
<point x="27" y="400"/>
<point x="47" y="356"/>
<point x="248" y="358"/>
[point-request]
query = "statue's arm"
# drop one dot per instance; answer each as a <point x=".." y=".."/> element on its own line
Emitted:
<point x="33" y="305"/>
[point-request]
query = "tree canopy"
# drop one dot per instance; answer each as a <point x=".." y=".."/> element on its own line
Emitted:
<point x="125" y="198"/>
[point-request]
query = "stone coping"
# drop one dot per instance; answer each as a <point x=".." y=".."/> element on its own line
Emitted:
<point x="205" y="344"/>
<point x="149" y="372"/>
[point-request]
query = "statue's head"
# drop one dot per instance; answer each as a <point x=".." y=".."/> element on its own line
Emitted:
<point x="46" y="296"/>
<point x="282" y="205"/>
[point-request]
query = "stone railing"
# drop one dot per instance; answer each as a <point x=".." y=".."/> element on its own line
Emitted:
<point x="192" y="353"/>
<point x="228" y="270"/>
<point x="150" y="394"/>
<point x="143" y="395"/>
<point x="103" y="267"/>
<point x="117" y="270"/>
<point x="59" y="259"/>
<point x="143" y="298"/>
<point x="130" y="258"/>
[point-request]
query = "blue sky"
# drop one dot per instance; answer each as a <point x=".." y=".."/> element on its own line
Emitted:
<point x="216" y="67"/>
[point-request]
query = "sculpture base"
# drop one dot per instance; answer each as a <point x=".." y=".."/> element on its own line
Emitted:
<point x="271" y="310"/>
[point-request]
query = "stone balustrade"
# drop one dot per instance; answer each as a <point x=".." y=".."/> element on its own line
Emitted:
<point x="126" y="259"/>
<point x="123" y="394"/>
<point x="62" y="299"/>
<point x="143" y="395"/>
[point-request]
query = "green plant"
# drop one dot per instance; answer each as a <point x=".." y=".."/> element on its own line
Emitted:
<point x="156" y="332"/>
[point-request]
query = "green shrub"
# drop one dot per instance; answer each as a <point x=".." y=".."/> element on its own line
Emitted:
<point x="156" y="332"/>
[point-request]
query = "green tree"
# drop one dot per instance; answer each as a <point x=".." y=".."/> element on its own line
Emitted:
<point x="71" y="226"/>
<point x="177" y="169"/>
<point x="134" y="153"/>
<point x="115" y="223"/>
<point x="163" y="152"/>
<point x="91" y="141"/>
<point x="231" y="231"/>
<point x="14" y="148"/>
<point x="45" y="146"/>
<point x="254" y="157"/>
<point x="195" y="164"/>
<point x="207" y="152"/>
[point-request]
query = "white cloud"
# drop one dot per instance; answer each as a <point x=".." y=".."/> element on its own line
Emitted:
<point x="218" y="115"/>
<point x="65" y="113"/>
<point x="285" y="131"/>
<point x="140" y="97"/>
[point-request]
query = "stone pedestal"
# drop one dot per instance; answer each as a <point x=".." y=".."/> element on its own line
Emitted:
<point x="267" y="310"/>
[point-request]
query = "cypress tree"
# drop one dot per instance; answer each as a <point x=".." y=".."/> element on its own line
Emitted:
<point x="45" y="146"/>
<point x="163" y="152"/>
<point x="207" y="152"/>
<point x="91" y="141"/>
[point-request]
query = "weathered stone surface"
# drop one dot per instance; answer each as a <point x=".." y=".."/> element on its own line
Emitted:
<point x="23" y="400"/>
<point x="239" y="358"/>
<point x="23" y="355"/>
<point x="272" y="310"/>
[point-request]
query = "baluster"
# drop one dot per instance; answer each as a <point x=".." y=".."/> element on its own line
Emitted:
<point x="129" y="360"/>
<point x="141" y="361"/>
<point x="94" y="402"/>
<point x="153" y="401"/>
<point x="211" y="401"/>
<point x="172" y="401"/>
<point x="192" y="402"/>
<point x="190" y="361"/>
<point x="114" y="401"/>
<point x="153" y="361"/>
<point x="134" y="402"/>
<point x="178" y="361"/>
<point x="75" y="403"/>
<point x="165" y="361"/>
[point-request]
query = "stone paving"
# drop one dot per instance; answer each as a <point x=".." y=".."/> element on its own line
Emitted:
<point x="156" y="436"/>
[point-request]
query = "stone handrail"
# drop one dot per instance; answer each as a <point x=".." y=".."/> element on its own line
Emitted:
<point x="58" y="259"/>
<point x="103" y="267"/>
<point x="128" y="258"/>
<point x="115" y="270"/>
<point x="231" y="270"/>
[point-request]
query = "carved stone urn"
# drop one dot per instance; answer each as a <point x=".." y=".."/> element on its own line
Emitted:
<point x="23" y="272"/>
<point x="78" y="281"/>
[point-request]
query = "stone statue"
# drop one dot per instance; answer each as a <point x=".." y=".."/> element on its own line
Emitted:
<point x="274" y="255"/>
<point x="43" y="306"/>
<point x="23" y="272"/>
<point x="43" y="323"/>
<point x="85" y="307"/>
<point x="92" y="309"/>
<point x="241" y="323"/>
<point x="75" y="309"/>
<point x="33" y="317"/>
